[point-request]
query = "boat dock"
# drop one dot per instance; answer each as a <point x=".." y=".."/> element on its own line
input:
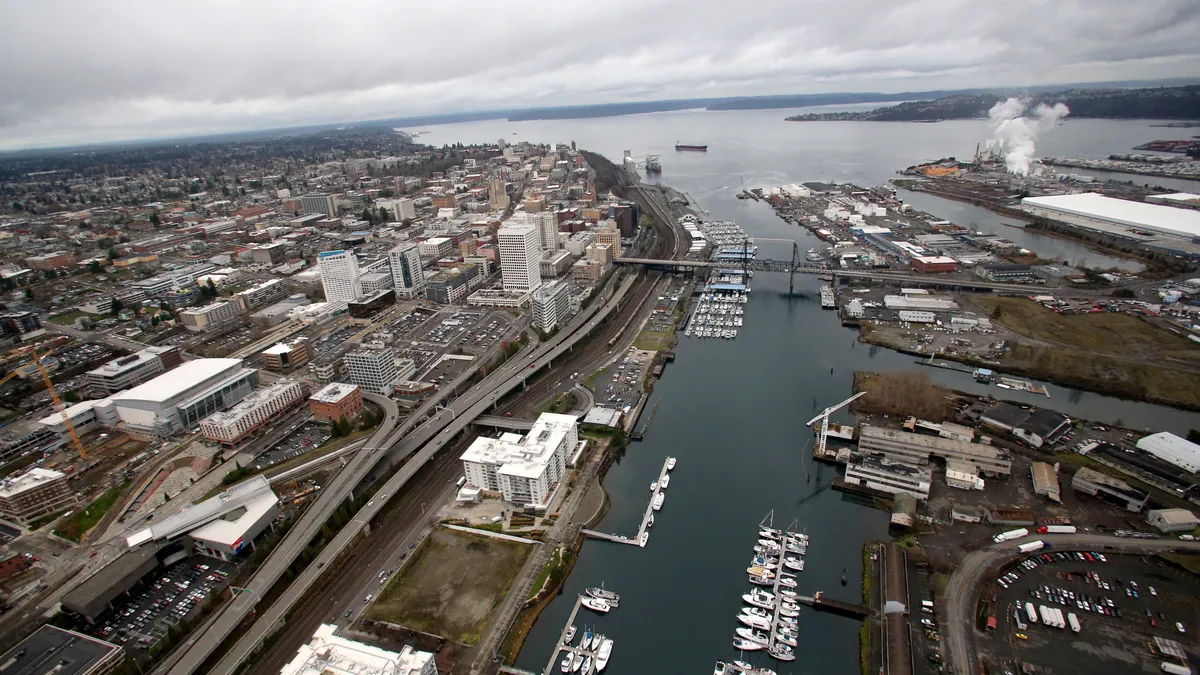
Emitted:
<point x="560" y="646"/>
<point x="645" y="525"/>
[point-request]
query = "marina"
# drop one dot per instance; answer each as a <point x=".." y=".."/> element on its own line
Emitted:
<point x="594" y="650"/>
<point x="658" y="496"/>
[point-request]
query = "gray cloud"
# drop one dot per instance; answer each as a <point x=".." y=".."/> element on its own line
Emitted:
<point x="81" y="72"/>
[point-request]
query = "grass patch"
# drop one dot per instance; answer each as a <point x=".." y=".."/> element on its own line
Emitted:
<point x="48" y="518"/>
<point x="1188" y="562"/>
<point x="68" y="318"/>
<point x="938" y="582"/>
<point x="555" y="561"/>
<point x="1107" y="332"/>
<point x="77" y="525"/>
<point x="451" y="584"/>
<point x="654" y="342"/>
<point x="561" y="403"/>
<point x="1106" y="374"/>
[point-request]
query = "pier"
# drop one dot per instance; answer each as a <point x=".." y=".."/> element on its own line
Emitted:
<point x="645" y="526"/>
<point x="639" y="434"/>
<point x="561" y="645"/>
<point x="823" y="604"/>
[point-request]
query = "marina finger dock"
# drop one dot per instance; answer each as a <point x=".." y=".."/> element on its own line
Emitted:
<point x="657" y="497"/>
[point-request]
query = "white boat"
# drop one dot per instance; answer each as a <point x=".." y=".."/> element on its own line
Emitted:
<point x="742" y="666"/>
<point x="787" y="580"/>
<point x="760" y="598"/>
<point x="761" y="581"/>
<point x="602" y="593"/>
<point x="762" y="671"/>
<point x="650" y="522"/>
<point x="587" y="665"/>
<point x="587" y="641"/>
<point x="756" y="636"/>
<point x="654" y="486"/>
<point x="664" y="482"/>
<point x="789" y="620"/>
<point x="794" y="564"/>
<point x="603" y="654"/>
<point x="788" y="611"/>
<point x="747" y="645"/>
<point x="658" y="500"/>
<point x="768" y="543"/>
<point x="766" y="550"/>
<point x="756" y="611"/>
<point x="785" y="639"/>
<point x="566" y="662"/>
<point x="721" y="668"/>
<point x="596" y="605"/>
<point x="754" y="621"/>
<point x="670" y="463"/>
<point x="795" y="547"/>
<point x="788" y="594"/>
<point x="570" y="635"/>
<point x="765" y="561"/>
<point x="782" y="652"/>
<point x="760" y="572"/>
<point x="576" y="662"/>
<point x="643" y="539"/>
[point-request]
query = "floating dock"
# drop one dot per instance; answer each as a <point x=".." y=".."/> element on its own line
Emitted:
<point x="645" y="526"/>
<point x="561" y="645"/>
<point x="821" y="603"/>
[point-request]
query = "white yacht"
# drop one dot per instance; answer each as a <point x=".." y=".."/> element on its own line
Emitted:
<point x="788" y="594"/>
<point x="604" y="594"/>
<point x="650" y="522"/>
<point x="643" y="539"/>
<point x="658" y="500"/>
<point x="747" y="645"/>
<point x="761" y="581"/>
<point x="587" y="641"/>
<point x="663" y="483"/>
<point x="670" y="463"/>
<point x="596" y="605"/>
<point x="756" y="611"/>
<point x="789" y="610"/>
<point x="754" y="635"/>
<point x="654" y="486"/>
<point x="587" y="665"/>
<point x="576" y="662"/>
<point x="759" y="600"/>
<point x="570" y="635"/>
<point x="566" y="662"/>
<point x="768" y="543"/>
<point x="787" y="580"/>
<point x="755" y="622"/>
<point x="796" y="564"/>
<point x="785" y="639"/>
<point x="604" y="653"/>
<point x="782" y="652"/>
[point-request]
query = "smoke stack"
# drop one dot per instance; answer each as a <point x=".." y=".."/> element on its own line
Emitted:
<point x="1015" y="136"/>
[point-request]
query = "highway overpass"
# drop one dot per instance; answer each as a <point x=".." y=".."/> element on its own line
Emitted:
<point x="426" y="440"/>
<point x="501" y="422"/>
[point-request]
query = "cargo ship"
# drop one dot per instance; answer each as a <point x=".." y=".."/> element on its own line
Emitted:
<point x="685" y="146"/>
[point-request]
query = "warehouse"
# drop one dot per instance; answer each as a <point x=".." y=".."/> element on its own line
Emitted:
<point x="1112" y="490"/>
<point x="926" y="303"/>
<point x="179" y="399"/>
<point x="1169" y="521"/>
<point x="1045" y="481"/>
<point x="1171" y="448"/>
<point x="1093" y="208"/>
<point x="885" y="475"/>
<point x="55" y="651"/>
<point x="918" y="449"/>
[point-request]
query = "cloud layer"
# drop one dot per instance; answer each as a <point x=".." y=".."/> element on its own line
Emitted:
<point x="77" y="72"/>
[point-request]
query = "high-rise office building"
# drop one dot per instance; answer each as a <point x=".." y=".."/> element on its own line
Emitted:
<point x="407" y="276"/>
<point x="547" y="224"/>
<point x="498" y="193"/>
<point x="340" y="276"/>
<point x="373" y="369"/>
<point x="520" y="257"/>
<point x="550" y="306"/>
<point x="608" y="233"/>
<point x="319" y="203"/>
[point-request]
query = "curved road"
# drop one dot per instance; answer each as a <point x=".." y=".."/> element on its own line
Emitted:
<point x="980" y="565"/>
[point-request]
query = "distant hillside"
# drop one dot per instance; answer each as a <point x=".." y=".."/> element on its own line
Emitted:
<point x="1161" y="103"/>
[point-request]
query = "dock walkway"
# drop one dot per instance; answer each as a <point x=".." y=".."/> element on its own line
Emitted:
<point x="561" y="645"/>
<point x="645" y="524"/>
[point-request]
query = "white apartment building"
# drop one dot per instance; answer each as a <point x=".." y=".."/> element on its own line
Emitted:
<point x="319" y="203"/>
<point x="340" y="276"/>
<point x="407" y="276"/>
<point x="252" y="412"/>
<point x="209" y="316"/>
<point x="261" y="295"/>
<point x="373" y="369"/>
<point x="520" y="257"/>
<point x="401" y="209"/>
<point x="524" y="470"/>
<point x="330" y="654"/>
<point x="547" y="225"/>
<point x="551" y="305"/>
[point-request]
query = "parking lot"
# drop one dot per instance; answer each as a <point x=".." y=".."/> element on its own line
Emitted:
<point x="328" y="342"/>
<point x="82" y="354"/>
<point x="1125" y="605"/>
<point x="163" y="600"/>
<point x="305" y="438"/>
<point x="619" y="384"/>
<point x="404" y="324"/>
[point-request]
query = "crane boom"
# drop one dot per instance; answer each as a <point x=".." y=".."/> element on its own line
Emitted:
<point x="823" y="434"/>
<point x="829" y="411"/>
<point x="58" y="404"/>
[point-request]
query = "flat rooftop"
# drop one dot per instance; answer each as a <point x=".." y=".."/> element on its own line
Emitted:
<point x="192" y="517"/>
<point x="126" y="363"/>
<point x="934" y="444"/>
<point x="1181" y="222"/>
<point x="27" y="481"/>
<point x="176" y="382"/>
<point x="333" y="392"/>
<point x="54" y="651"/>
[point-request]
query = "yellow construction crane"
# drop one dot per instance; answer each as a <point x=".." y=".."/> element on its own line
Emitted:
<point x="58" y="404"/>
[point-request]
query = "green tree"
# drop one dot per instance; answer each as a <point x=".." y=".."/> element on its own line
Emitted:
<point x="117" y="306"/>
<point x="154" y="220"/>
<point x="369" y="215"/>
<point x="154" y="320"/>
<point x="212" y="288"/>
<point x="95" y="267"/>
<point x="1194" y="435"/>
<point x="383" y="215"/>
<point x="997" y="312"/>
<point x="29" y="293"/>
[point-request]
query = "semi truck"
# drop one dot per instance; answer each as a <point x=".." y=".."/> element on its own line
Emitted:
<point x="1010" y="535"/>
<point x="1044" y="614"/>
<point x="1033" y="546"/>
<point x="1074" y="621"/>
<point x="1057" y="529"/>
<point x="1031" y="613"/>
<point x="1175" y="668"/>
<point x="1059" y="620"/>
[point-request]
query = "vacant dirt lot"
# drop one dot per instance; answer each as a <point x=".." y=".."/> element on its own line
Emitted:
<point x="450" y="585"/>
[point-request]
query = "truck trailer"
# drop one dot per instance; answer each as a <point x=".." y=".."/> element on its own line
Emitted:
<point x="1074" y="621"/>
<point x="1010" y="535"/>
<point x="1057" y="529"/>
<point x="1032" y="546"/>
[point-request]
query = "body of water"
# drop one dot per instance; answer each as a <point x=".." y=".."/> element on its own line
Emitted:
<point x="733" y="411"/>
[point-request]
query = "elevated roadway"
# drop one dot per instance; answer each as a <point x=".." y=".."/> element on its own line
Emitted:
<point x="963" y="587"/>
<point x="502" y="422"/>
<point x="425" y="440"/>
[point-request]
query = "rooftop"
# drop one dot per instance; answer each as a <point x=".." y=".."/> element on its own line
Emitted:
<point x="1174" y="516"/>
<point x="526" y="456"/>
<point x="27" y="481"/>
<point x="191" y="517"/>
<point x="333" y="392"/>
<point x="932" y="443"/>
<point x="252" y="402"/>
<point x="1181" y="222"/>
<point x="231" y="528"/>
<point x="1171" y="448"/>
<point x="329" y="654"/>
<point x="127" y="363"/>
<point x="73" y="653"/>
<point x="178" y="381"/>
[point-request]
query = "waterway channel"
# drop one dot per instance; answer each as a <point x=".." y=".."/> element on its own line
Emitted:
<point x="733" y="411"/>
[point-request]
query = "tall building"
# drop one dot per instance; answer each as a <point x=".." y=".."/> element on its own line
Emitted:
<point x="319" y="203"/>
<point x="210" y="316"/>
<point x="407" y="276"/>
<point x="547" y="224"/>
<point x="340" y="276"/>
<point x="498" y="194"/>
<point x="33" y="494"/>
<point x="608" y="233"/>
<point x="373" y="369"/>
<point x="520" y="257"/>
<point x="402" y="209"/>
<point x="550" y="303"/>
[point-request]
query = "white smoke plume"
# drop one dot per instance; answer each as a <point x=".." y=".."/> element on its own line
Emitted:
<point x="1015" y="136"/>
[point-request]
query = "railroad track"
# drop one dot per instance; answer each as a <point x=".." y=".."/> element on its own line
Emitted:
<point x="362" y="565"/>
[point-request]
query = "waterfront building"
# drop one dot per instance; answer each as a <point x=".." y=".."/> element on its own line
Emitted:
<point x="918" y="449"/>
<point x="330" y="654"/>
<point x="525" y="470"/>
<point x="879" y="473"/>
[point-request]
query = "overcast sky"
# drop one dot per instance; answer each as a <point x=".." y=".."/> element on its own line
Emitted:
<point x="78" y="71"/>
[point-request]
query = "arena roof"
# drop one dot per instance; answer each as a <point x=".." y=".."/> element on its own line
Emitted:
<point x="176" y="382"/>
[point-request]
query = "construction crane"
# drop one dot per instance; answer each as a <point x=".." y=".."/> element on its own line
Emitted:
<point x="823" y="418"/>
<point x="58" y="404"/>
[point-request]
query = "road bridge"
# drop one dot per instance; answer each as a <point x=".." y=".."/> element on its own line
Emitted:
<point x="501" y="422"/>
<point x="788" y="267"/>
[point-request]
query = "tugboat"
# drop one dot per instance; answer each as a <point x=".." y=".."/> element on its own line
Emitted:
<point x="608" y="596"/>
